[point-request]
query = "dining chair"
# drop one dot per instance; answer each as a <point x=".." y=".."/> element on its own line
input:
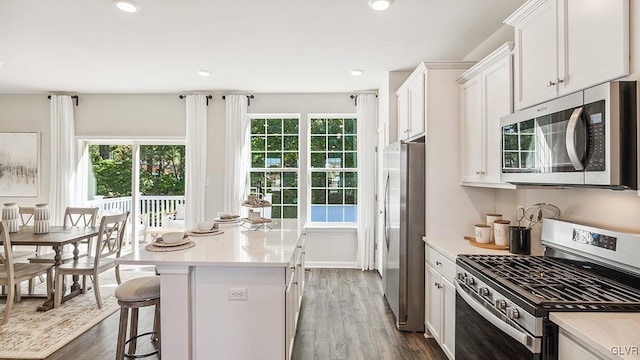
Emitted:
<point x="107" y="249"/>
<point x="12" y="274"/>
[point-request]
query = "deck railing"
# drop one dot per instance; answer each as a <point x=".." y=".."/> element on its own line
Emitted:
<point x="153" y="206"/>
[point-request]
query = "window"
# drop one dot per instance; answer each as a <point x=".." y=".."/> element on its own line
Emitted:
<point x="275" y="161"/>
<point x="333" y="169"/>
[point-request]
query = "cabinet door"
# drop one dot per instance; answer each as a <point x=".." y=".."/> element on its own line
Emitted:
<point x="536" y="56"/>
<point x="496" y="83"/>
<point x="570" y="350"/>
<point x="290" y="315"/>
<point x="596" y="42"/>
<point x="416" y="107"/>
<point x="403" y="115"/>
<point x="433" y="306"/>
<point x="472" y="130"/>
<point x="449" y="319"/>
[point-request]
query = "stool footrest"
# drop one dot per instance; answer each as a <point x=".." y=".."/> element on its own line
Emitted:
<point x="141" y="355"/>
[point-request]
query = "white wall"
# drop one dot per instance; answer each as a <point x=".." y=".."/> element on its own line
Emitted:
<point x="29" y="113"/>
<point x="162" y="116"/>
<point x="502" y="35"/>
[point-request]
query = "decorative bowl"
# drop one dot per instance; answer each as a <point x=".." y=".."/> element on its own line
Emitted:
<point x="172" y="237"/>
<point x="206" y="225"/>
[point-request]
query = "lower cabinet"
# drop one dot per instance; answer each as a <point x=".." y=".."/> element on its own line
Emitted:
<point x="568" y="349"/>
<point x="440" y="300"/>
<point x="293" y="295"/>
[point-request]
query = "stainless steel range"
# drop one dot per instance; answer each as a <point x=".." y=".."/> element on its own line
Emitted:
<point x="503" y="302"/>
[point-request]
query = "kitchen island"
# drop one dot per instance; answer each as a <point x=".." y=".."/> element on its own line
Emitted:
<point x="233" y="296"/>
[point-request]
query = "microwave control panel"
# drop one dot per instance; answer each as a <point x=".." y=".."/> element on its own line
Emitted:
<point x="595" y="119"/>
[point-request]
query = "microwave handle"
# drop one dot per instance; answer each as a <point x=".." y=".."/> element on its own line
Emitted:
<point x="570" y="139"/>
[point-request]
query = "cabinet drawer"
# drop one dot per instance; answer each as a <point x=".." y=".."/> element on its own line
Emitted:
<point x="439" y="262"/>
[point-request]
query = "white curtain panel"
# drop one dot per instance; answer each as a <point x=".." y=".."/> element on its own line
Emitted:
<point x="196" y="160"/>
<point x="367" y="110"/>
<point x="63" y="157"/>
<point x="236" y="152"/>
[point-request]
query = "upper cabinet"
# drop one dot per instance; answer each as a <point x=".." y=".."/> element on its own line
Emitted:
<point x="562" y="46"/>
<point x="414" y="97"/>
<point x="485" y="97"/>
<point x="411" y="96"/>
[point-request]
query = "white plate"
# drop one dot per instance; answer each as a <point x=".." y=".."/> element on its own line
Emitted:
<point x="161" y="243"/>
<point x="198" y="231"/>
<point x="225" y="221"/>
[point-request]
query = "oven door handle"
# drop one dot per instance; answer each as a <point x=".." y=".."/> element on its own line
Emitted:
<point x="522" y="337"/>
<point x="570" y="139"/>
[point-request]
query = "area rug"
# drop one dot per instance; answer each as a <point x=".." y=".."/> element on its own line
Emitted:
<point x="30" y="334"/>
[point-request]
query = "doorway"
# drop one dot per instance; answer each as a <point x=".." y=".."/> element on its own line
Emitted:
<point x="144" y="178"/>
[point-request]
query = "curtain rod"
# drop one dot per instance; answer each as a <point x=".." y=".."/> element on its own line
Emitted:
<point x="355" y="98"/>
<point x="74" y="97"/>
<point x="208" y="97"/>
<point x="249" y="97"/>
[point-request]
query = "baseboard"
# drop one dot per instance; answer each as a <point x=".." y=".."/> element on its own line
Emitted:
<point x="330" y="264"/>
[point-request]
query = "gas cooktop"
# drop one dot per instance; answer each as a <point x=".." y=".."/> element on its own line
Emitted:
<point x="555" y="284"/>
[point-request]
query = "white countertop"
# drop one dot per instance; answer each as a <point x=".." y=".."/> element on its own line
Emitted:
<point x="237" y="246"/>
<point x="607" y="333"/>
<point x="451" y="248"/>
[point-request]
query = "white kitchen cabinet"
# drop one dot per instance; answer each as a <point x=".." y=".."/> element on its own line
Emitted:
<point x="568" y="349"/>
<point x="293" y="295"/>
<point x="485" y="97"/>
<point x="562" y="46"/>
<point x="411" y="107"/>
<point x="414" y="97"/>
<point x="440" y="300"/>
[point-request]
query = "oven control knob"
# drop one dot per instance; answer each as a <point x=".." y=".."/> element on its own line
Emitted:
<point x="483" y="291"/>
<point x="512" y="313"/>
<point x="469" y="281"/>
<point x="501" y="304"/>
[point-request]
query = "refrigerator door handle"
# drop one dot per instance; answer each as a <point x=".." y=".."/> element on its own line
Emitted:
<point x="387" y="226"/>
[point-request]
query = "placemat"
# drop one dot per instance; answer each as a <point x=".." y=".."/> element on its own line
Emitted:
<point x="152" y="247"/>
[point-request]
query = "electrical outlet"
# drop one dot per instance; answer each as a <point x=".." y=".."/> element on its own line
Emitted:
<point x="237" y="293"/>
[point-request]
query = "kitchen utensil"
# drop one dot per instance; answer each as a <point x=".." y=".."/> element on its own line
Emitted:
<point x="536" y="212"/>
<point x="519" y="215"/>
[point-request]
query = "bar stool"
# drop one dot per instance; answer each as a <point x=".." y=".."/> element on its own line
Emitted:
<point x="134" y="294"/>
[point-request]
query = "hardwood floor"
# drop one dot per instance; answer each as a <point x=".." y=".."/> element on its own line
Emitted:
<point x="344" y="316"/>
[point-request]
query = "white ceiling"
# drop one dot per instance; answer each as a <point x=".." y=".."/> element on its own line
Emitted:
<point x="89" y="46"/>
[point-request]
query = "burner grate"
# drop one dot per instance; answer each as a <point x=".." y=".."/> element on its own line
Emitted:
<point x="550" y="281"/>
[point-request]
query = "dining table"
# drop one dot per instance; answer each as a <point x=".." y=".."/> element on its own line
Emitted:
<point x="57" y="238"/>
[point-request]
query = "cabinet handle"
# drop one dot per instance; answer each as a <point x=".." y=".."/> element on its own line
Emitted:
<point x="295" y="283"/>
<point x="559" y="81"/>
<point x="477" y="172"/>
<point x="437" y="285"/>
<point x="438" y="263"/>
<point x="552" y="83"/>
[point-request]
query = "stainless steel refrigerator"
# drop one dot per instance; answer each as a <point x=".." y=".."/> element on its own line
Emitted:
<point x="403" y="255"/>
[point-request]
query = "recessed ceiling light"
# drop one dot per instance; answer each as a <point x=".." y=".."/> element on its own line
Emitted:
<point x="129" y="6"/>
<point x="204" y="73"/>
<point x="357" y="72"/>
<point x="380" y="4"/>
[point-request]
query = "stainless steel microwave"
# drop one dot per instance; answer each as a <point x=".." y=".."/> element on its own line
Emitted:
<point x="588" y="138"/>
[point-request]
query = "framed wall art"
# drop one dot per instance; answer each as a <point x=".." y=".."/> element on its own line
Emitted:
<point x="19" y="164"/>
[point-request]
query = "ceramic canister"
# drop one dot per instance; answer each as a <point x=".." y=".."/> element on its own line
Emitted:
<point x="11" y="216"/>
<point x="41" y="219"/>
<point x="490" y="219"/>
